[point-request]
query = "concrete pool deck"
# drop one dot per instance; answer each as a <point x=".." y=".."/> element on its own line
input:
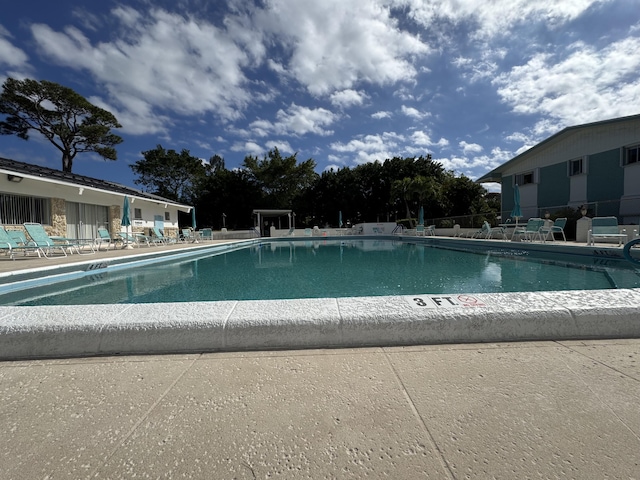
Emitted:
<point x="565" y="409"/>
<point x="196" y="327"/>
<point x="537" y="409"/>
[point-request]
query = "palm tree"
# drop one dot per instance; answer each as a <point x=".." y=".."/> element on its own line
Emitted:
<point x="402" y="190"/>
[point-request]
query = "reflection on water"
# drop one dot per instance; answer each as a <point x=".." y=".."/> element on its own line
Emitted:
<point x="322" y="268"/>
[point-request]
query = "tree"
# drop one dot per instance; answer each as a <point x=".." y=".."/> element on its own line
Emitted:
<point x="401" y="190"/>
<point x="177" y="176"/>
<point x="65" y="118"/>
<point x="281" y="180"/>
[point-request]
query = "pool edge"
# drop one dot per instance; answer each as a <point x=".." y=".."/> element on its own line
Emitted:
<point x="69" y="331"/>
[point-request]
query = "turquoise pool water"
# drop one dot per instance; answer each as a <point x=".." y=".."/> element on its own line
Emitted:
<point x="330" y="268"/>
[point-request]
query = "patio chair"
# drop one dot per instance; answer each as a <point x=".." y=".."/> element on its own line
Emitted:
<point x="481" y="233"/>
<point x="206" y="234"/>
<point x="159" y="237"/>
<point x="104" y="237"/>
<point x="491" y="231"/>
<point x="530" y="231"/>
<point x="10" y="245"/>
<point x="134" y="239"/>
<point x="557" y="227"/>
<point x="188" y="236"/>
<point x="605" y="227"/>
<point x="420" y="230"/>
<point x="50" y="244"/>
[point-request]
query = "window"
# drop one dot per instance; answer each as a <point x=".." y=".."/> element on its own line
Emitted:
<point x="524" y="178"/>
<point x="631" y="155"/>
<point x="576" y="167"/>
<point x="18" y="209"/>
<point x="167" y="216"/>
<point x="137" y="213"/>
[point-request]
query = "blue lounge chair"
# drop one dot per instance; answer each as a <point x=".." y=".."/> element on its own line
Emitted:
<point x="50" y="244"/>
<point x="10" y="245"/>
<point x="549" y="233"/>
<point x="491" y="231"/>
<point x="605" y="227"/>
<point x="188" y="236"/>
<point x="530" y="231"/>
<point x="134" y="239"/>
<point x="482" y="233"/>
<point x="159" y="237"/>
<point x="104" y="237"/>
<point x="206" y="234"/>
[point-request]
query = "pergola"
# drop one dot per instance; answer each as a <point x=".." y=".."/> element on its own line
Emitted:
<point x="262" y="214"/>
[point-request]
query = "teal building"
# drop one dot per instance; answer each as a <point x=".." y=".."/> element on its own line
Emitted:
<point x="595" y="164"/>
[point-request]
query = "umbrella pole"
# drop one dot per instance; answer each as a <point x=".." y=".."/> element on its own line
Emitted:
<point x="128" y="245"/>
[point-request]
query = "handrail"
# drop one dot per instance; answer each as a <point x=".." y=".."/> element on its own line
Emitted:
<point x="399" y="228"/>
<point x="626" y="251"/>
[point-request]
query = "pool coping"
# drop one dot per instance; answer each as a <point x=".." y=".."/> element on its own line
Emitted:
<point x="159" y="328"/>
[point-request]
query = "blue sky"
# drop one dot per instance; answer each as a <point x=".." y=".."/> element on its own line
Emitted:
<point x="472" y="82"/>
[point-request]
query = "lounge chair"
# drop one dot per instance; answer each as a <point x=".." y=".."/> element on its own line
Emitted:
<point x="557" y="227"/>
<point x="530" y="231"/>
<point x="491" y="231"/>
<point x="159" y="237"/>
<point x="420" y="230"/>
<point x="481" y="233"/>
<point x="50" y="244"/>
<point x="188" y="236"/>
<point x="104" y="237"/>
<point x="605" y="227"/>
<point x="206" y="234"/>
<point x="10" y="245"/>
<point x="134" y="239"/>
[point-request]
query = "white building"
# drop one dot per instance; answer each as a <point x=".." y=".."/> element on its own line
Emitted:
<point x="75" y="206"/>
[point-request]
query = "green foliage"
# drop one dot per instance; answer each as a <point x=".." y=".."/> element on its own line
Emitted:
<point x="173" y="175"/>
<point x="378" y="191"/>
<point x="280" y="180"/>
<point x="228" y="192"/>
<point x="65" y="118"/>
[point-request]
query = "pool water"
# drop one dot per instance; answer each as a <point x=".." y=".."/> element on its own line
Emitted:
<point x="330" y="268"/>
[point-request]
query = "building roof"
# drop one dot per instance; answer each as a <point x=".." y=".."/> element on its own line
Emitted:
<point x="29" y="170"/>
<point x="495" y="175"/>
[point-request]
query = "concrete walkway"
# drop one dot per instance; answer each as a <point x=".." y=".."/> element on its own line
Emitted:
<point x="528" y="410"/>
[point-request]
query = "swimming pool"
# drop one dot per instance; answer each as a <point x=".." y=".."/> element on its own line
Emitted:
<point x="45" y="331"/>
<point x="292" y="269"/>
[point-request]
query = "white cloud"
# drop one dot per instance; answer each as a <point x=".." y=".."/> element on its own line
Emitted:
<point x="166" y="61"/>
<point x="282" y="146"/>
<point x="413" y="112"/>
<point x="248" y="148"/>
<point x="369" y="148"/>
<point x="498" y="17"/>
<point x="588" y="85"/>
<point x="475" y="166"/>
<point x="423" y="139"/>
<point x="348" y="98"/>
<point x="468" y="148"/>
<point x="10" y="55"/>
<point x="381" y="114"/>
<point x="336" y="44"/>
<point x="296" y="120"/>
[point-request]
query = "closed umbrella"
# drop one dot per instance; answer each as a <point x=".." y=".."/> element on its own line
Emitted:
<point x="193" y="218"/>
<point x="340" y="219"/>
<point x="421" y="216"/>
<point x="126" y="219"/>
<point x="516" y="213"/>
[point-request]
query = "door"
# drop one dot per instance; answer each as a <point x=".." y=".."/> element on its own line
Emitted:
<point x="84" y="219"/>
